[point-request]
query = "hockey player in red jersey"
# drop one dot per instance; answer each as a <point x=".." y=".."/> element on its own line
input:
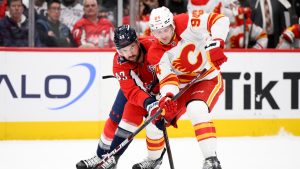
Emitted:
<point x="186" y="45"/>
<point x="139" y="84"/>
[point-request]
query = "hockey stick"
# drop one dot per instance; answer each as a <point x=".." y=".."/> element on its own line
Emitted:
<point x="245" y="44"/>
<point x="168" y="147"/>
<point x="251" y="26"/>
<point x="108" y="76"/>
<point x="201" y="75"/>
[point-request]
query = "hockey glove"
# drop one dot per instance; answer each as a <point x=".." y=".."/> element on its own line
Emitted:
<point x="215" y="51"/>
<point x="246" y="11"/>
<point x="169" y="109"/>
<point x="288" y="36"/>
<point x="158" y="121"/>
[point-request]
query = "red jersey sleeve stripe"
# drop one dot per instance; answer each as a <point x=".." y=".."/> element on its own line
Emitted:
<point x="170" y="79"/>
<point x="212" y="18"/>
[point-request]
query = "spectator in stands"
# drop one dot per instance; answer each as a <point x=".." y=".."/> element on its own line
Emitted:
<point x="14" y="27"/>
<point x="91" y="30"/>
<point x="143" y="22"/>
<point x="41" y="7"/>
<point x="71" y="12"/>
<point x="103" y="13"/>
<point x="144" y="9"/>
<point x="3" y="4"/>
<point x="52" y="32"/>
<point x="290" y="38"/>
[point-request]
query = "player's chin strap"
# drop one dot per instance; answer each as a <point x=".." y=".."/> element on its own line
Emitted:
<point x="201" y="75"/>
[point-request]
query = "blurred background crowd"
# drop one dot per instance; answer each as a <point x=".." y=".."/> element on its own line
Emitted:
<point x="90" y="23"/>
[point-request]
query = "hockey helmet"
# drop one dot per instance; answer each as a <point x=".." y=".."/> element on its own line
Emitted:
<point x="124" y="36"/>
<point x="160" y="18"/>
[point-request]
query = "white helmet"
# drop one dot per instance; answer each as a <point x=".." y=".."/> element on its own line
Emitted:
<point x="160" y="18"/>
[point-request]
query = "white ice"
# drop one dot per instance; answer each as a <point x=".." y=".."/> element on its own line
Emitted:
<point x="276" y="152"/>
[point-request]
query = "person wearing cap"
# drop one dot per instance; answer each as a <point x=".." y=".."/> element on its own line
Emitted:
<point x="135" y="100"/>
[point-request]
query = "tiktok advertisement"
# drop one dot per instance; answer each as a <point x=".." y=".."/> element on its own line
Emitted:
<point x="47" y="89"/>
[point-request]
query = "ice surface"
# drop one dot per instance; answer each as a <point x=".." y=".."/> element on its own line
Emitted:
<point x="278" y="152"/>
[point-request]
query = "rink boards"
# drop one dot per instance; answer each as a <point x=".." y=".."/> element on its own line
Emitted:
<point x="60" y="94"/>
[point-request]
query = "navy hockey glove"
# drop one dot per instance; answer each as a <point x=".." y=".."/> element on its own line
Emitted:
<point x="152" y="109"/>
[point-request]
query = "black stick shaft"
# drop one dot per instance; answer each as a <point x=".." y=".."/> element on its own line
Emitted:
<point x="168" y="147"/>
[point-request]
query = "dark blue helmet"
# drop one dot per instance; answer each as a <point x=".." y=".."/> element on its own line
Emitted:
<point x="124" y="36"/>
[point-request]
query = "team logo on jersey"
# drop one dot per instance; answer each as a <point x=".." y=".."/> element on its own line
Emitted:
<point x="173" y="43"/>
<point x="76" y="33"/>
<point x="151" y="68"/>
<point x="186" y="61"/>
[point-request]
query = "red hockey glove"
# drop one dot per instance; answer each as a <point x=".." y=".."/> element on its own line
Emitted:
<point x="169" y="109"/>
<point x="247" y="12"/>
<point x="215" y="50"/>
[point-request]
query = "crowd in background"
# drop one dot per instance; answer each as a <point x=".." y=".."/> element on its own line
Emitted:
<point x="90" y="23"/>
